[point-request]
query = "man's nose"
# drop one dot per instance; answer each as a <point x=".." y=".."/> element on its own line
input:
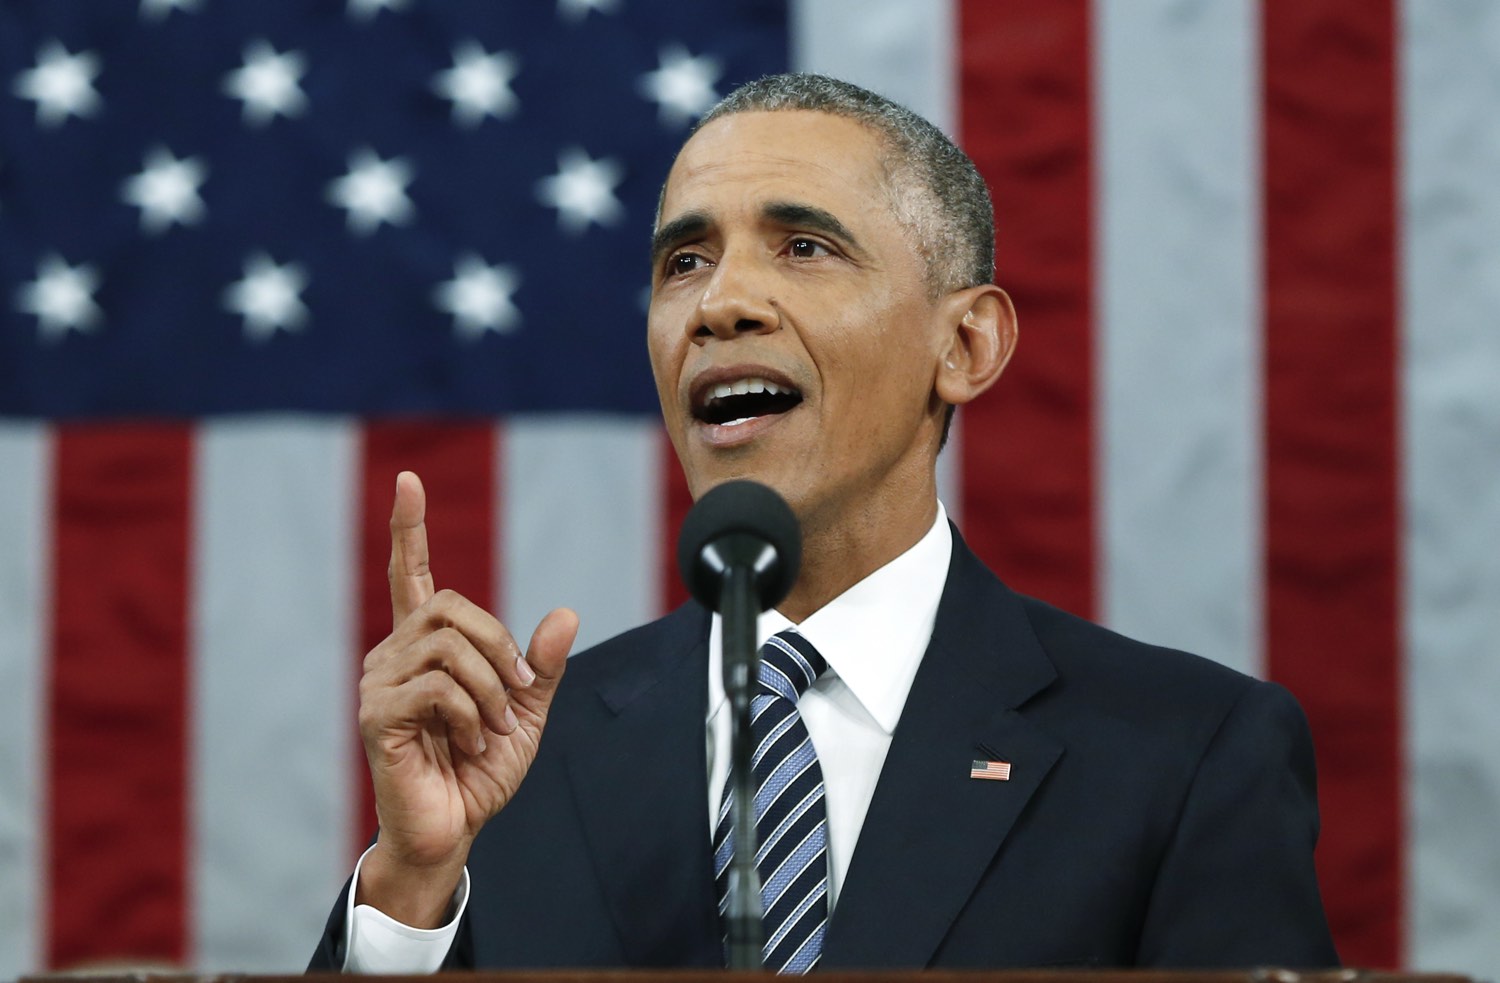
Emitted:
<point x="736" y="301"/>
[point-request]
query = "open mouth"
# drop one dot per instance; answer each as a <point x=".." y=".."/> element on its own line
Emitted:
<point x="729" y="403"/>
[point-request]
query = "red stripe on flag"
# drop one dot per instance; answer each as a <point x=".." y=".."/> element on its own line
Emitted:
<point x="117" y="797"/>
<point x="1332" y="624"/>
<point x="676" y="500"/>
<point x="1028" y="454"/>
<point x="457" y="463"/>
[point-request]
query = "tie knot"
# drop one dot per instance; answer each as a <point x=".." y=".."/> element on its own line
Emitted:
<point x="789" y="664"/>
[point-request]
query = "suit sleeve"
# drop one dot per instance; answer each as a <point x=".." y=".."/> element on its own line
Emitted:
<point x="1237" y="885"/>
<point x="329" y="956"/>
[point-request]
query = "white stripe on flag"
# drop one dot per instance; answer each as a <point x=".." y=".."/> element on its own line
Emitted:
<point x="1179" y="365"/>
<point x="902" y="50"/>
<point x="273" y="679"/>
<point x="25" y="528"/>
<point x="906" y="52"/>
<point x="1451" y="217"/>
<point x="581" y="522"/>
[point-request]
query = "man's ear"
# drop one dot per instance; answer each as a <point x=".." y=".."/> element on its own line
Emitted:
<point x="980" y="338"/>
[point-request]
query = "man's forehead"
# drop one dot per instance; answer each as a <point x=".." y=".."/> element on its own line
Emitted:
<point x="792" y="137"/>
<point x="811" y="155"/>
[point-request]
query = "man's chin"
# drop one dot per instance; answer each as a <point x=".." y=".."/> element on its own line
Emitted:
<point x="709" y="475"/>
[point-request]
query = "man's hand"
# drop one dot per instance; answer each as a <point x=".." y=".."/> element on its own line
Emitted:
<point x="451" y="715"/>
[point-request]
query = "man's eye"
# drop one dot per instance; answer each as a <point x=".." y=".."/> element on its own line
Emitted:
<point x="807" y="249"/>
<point x="683" y="263"/>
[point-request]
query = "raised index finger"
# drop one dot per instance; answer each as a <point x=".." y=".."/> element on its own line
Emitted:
<point x="410" y="574"/>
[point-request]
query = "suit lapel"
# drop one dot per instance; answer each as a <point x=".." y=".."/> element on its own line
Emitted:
<point x="932" y="831"/>
<point x="642" y="797"/>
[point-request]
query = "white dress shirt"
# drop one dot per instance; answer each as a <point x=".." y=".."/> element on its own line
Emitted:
<point x="873" y="636"/>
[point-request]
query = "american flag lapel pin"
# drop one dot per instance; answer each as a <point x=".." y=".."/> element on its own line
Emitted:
<point x="994" y="771"/>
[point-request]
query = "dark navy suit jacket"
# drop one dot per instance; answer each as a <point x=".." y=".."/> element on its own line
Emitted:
<point x="1161" y="810"/>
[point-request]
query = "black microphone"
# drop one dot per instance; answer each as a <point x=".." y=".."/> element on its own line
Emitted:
<point x="740" y="524"/>
<point x="739" y="552"/>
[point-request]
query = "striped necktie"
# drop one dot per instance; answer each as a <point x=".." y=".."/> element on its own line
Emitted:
<point x="790" y="819"/>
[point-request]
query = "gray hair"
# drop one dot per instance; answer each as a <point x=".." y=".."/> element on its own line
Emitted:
<point x="936" y="191"/>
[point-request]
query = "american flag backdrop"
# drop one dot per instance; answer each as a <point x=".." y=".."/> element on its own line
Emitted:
<point x="257" y="257"/>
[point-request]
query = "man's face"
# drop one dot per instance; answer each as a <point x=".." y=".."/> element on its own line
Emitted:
<point x="792" y="332"/>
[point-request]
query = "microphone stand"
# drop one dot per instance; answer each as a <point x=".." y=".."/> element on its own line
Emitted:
<point x="744" y="914"/>
<point x="739" y="552"/>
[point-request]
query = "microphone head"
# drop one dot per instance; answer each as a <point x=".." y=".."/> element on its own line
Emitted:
<point x="735" y="517"/>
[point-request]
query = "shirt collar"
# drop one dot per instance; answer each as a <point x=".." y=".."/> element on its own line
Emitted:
<point x="874" y="634"/>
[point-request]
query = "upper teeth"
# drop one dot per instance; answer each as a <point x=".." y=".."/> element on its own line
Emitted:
<point x="743" y="386"/>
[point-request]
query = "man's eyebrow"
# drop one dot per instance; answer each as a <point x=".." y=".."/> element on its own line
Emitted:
<point x="786" y="213"/>
<point x="808" y="217"/>
<point x="683" y="227"/>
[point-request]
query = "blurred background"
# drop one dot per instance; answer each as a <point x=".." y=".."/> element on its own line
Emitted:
<point x="257" y="258"/>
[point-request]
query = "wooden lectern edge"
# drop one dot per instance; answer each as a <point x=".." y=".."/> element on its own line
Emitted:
<point x="1262" y="975"/>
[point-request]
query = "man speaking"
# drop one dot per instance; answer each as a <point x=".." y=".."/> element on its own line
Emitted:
<point x="972" y="778"/>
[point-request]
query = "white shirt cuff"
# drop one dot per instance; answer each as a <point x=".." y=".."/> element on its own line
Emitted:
<point x="374" y="942"/>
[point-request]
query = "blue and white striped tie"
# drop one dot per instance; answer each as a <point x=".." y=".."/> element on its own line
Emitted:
<point x="790" y="819"/>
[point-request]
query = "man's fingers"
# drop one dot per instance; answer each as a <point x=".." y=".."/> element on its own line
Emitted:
<point x="448" y="650"/>
<point x="450" y="609"/>
<point x="452" y="634"/>
<point x="420" y="699"/>
<point x="410" y="574"/>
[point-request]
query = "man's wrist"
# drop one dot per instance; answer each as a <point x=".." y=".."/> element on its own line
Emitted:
<point x="418" y="896"/>
<point x="376" y="943"/>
